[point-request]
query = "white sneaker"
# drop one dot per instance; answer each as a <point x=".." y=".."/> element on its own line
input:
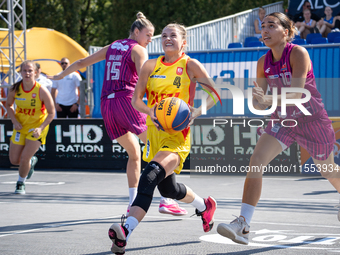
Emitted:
<point x="237" y="230"/>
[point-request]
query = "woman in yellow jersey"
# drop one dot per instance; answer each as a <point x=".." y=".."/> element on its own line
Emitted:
<point x="34" y="112"/>
<point x="171" y="75"/>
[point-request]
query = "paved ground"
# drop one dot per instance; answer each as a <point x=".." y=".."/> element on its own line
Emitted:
<point x="70" y="213"/>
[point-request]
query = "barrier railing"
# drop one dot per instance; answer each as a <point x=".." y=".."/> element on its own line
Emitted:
<point x="217" y="34"/>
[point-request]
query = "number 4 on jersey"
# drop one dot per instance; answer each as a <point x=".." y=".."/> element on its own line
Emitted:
<point x="177" y="81"/>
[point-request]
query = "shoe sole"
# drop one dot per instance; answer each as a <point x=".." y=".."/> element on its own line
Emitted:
<point x="116" y="231"/>
<point x="20" y="192"/>
<point x="31" y="172"/>
<point x="165" y="210"/>
<point x="225" y="231"/>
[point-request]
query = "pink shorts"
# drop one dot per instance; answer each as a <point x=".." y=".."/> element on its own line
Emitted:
<point x="316" y="134"/>
<point x="120" y="117"/>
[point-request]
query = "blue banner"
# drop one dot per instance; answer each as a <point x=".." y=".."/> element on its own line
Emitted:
<point x="238" y="68"/>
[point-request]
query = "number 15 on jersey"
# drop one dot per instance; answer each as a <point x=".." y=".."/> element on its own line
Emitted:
<point x="112" y="71"/>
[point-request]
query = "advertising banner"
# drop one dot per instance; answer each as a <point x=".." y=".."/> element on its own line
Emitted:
<point x="84" y="144"/>
<point x="71" y="144"/>
<point x="224" y="146"/>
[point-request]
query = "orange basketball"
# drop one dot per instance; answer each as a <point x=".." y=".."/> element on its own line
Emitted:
<point x="172" y="115"/>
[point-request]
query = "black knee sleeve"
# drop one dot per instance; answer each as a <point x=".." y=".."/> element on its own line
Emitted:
<point x="171" y="189"/>
<point x="153" y="174"/>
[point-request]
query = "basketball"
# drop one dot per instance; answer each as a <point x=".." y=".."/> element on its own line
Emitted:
<point x="172" y="115"/>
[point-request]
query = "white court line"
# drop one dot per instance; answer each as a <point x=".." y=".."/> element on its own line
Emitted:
<point x="256" y="222"/>
<point x="157" y="217"/>
<point x="36" y="183"/>
<point x="59" y="225"/>
<point x="7" y="174"/>
<point x="216" y="238"/>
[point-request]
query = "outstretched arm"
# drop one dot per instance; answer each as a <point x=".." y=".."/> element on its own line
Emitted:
<point x="81" y="63"/>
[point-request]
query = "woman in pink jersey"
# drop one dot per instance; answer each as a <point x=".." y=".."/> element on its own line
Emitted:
<point x="284" y="65"/>
<point x="33" y="113"/>
<point x="124" y="60"/>
<point x="168" y="151"/>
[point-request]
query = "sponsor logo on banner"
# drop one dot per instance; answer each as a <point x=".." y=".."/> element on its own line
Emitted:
<point x="79" y="138"/>
<point x="206" y="139"/>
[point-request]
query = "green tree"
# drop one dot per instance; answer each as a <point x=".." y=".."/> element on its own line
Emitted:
<point x="99" y="22"/>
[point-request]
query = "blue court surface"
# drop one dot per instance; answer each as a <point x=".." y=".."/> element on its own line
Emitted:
<point x="66" y="212"/>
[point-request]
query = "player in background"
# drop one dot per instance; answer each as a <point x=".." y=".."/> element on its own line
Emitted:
<point x="314" y="132"/>
<point x="31" y="118"/>
<point x="124" y="60"/>
<point x="167" y="76"/>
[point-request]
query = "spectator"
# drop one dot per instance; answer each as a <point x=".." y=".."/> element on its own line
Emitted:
<point x="298" y="18"/>
<point x="307" y="26"/>
<point x="65" y="93"/>
<point x="258" y="22"/>
<point x="42" y="79"/>
<point x="336" y="21"/>
<point x="326" y="24"/>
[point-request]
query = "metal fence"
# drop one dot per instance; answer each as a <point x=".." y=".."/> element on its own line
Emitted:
<point x="217" y="34"/>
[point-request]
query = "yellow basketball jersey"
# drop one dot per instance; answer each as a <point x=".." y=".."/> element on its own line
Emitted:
<point x="169" y="80"/>
<point x="30" y="110"/>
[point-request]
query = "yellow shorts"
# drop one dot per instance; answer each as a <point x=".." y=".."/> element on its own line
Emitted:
<point x="162" y="141"/>
<point x="20" y="137"/>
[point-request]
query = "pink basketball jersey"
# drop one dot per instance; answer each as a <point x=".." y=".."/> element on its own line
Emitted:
<point x="279" y="75"/>
<point x="120" y="71"/>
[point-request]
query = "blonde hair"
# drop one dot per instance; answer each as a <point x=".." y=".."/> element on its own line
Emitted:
<point x="182" y="30"/>
<point x="286" y="23"/>
<point x="140" y="23"/>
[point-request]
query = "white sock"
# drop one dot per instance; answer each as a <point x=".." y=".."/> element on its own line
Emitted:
<point x="20" y="179"/>
<point x="247" y="212"/>
<point x="130" y="224"/>
<point x="198" y="203"/>
<point x="132" y="195"/>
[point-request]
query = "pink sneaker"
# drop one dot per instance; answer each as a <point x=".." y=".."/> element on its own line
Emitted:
<point x="170" y="206"/>
<point x="208" y="214"/>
